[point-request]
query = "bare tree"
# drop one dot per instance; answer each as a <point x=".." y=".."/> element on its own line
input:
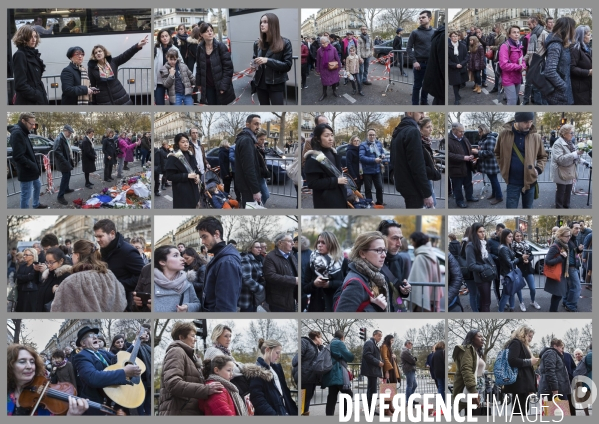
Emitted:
<point x="587" y="336"/>
<point x="366" y="16"/>
<point x="16" y="329"/>
<point x="394" y="18"/>
<point x="207" y="121"/>
<point x="496" y="332"/>
<point x="159" y="328"/>
<point x="461" y="222"/>
<point x="14" y="228"/>
<point x="229" y="224"/>
<point x="255" y="227"/>
<point x="267" y="329"/>
<point x="328" y="327"/>
<point x="493" y="119"/>
<point x="573" y="339"/>
<point x="282" y="125"/>
<point x="430" y="334"/>
<point x="362" y="121"/>
<point x="231" y="122"/>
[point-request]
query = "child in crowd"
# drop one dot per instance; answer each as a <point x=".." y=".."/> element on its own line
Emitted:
<point x="177" y="79"/>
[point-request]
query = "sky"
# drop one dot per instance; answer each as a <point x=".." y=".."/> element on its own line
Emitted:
<point x="34" y="226"/>
<point x="41" y="330"/>
<point x="451" y="13"/>
<point x="307" y="12"/>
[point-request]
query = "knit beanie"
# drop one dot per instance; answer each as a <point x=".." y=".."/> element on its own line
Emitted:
<point x="524" y="116"/>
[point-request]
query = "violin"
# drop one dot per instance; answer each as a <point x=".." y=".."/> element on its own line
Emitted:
<point x="55" y="398"/>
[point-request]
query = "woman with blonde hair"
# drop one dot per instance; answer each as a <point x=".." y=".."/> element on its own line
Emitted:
<point x="565" y="157"/>
<point x="521" y="357"/>
<point x="91" y="287"/>
<point x="27" y="279"/>
<point x="365" y="288"/>
<point x="558" y="254"/>
<point x="271" y="397"/>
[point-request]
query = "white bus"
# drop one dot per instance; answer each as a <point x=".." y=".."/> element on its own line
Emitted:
<point x="115" y="29"/>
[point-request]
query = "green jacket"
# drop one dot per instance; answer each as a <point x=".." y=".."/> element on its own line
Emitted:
<point x="465" y="358"/>
<point x="338" y="352"/>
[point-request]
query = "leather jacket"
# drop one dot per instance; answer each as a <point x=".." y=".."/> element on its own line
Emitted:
<point x="278" y="65"/>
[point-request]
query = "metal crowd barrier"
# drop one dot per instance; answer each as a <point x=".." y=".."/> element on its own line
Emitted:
<point x="396" y="72"/>
<point x="279" y="183"/>
<point x="434" y="297"/>
<point x="390" y="190"/>
<point x="295" y="58"/>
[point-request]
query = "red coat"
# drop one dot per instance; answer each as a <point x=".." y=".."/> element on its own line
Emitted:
<point x="218" y="403"/>
<point x="305" y="53"/>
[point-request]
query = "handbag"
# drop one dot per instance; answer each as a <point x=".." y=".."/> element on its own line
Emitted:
<point x="551" y="407"/>
<point x="388" y="388"/>
<point x="333" y="65"/>
<point x="293" y="171"/>
<point x="490" y="271"/>
<point x="513" y="281"/>
<point x="490" y="54"/>
<point x="553" y="271"/>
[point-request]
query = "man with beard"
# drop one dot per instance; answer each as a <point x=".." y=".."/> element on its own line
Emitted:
<point x="247" y="163"/>
<point x="224" y="278"/>
<point x="418" y="48"/>
<point x="123" y="259"/>
<point x="397" y="268"/>
<point x="90" y="363"/>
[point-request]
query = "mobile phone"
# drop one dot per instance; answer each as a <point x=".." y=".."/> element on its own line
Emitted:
<point x="144" y="296"/>
<point x="325" y="278"/>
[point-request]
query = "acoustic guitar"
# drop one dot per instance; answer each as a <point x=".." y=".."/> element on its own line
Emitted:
<point x="132" y="394"/>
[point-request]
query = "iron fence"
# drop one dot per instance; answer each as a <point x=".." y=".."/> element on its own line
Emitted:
<point x="396" y="72"/>
<point x="280" y="183"/>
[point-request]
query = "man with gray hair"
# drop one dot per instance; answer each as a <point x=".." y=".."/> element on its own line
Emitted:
<point x="280" y="274"/>
<point x="461" y="161"/>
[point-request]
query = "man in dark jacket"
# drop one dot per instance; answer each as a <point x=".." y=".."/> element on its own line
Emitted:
<point x="408" y="366"/>
<point x="418" y="48"/>
<point x="434" y="75"/>
<point x="371" y="155"/>
<point x="407" y="160"/>
<point x="280" y="274"/>
<point x="398" y="45"/>
<point x="90" y="363"/>
<point x="63" y="157"/>
<point x="123" y="259"/>
<point x="397" y="267"/>
<point x="372" y="364"/>
<point x="109" y="151"/>
<point x="461" y="158"/>
<point x="570" y="301"/>
<point x="28" y="166"/>
<point x="311" y="347"/>
<point x="222" y="286"/>
<point x="247" y="164"/>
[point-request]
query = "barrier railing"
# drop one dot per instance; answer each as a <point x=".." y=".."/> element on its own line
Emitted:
<point x="397" y="74"/>
<point x="434" y="299"/>
<point x="280" y="183"/>
<point x="295" y="58"/>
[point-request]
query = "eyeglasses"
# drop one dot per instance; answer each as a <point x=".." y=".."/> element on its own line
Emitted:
<point x="79" y="54"/>
<point x="379" y="251"/>
<point x="51" y="263"/>
<point x="288" y="240"/>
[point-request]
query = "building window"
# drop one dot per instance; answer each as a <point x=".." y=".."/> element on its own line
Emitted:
<point x="184" y="20"/>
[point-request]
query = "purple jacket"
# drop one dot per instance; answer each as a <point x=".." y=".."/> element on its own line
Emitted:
<point x="511" y="71"/>
<point x="127" y="149"/>
<point x="323" y="57"/>
<point x="476" y="62"/>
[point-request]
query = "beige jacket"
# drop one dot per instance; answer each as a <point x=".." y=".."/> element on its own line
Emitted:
<point x="563" y="162"/>
<point x="535" y="155"/>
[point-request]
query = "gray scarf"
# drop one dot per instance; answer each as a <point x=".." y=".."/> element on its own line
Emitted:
<point x="240" y="408"/>
<point x="324" y="265"/>
<point x="178" y="284"/>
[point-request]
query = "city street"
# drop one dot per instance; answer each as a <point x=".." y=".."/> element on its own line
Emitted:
<point x="243" y="88"/>
<point x="397" y="94"/>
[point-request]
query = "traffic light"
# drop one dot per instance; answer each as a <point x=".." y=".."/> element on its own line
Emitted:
<point x="560" y="221"/>
<point x="363" y="334"/>
<point x="202" y="328"/>
<point x="564" y="121"/>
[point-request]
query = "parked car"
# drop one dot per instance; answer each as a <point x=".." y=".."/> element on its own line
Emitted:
<point x="41" y="145"/>
<point x="276" y="166"/>
<point x="538" y="256"/>
<point x="385" y="48"/>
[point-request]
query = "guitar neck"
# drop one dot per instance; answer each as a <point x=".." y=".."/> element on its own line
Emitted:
<point x="135" y="350"/>
<point x="56" y="394"/>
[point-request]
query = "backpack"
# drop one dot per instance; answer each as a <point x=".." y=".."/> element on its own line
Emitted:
<point x="504" y="373"/>
<point x="466" y="273"/>
<point x="535" y="74"/>
<point x="581" y="368"/>
<point x="323" y="362"/>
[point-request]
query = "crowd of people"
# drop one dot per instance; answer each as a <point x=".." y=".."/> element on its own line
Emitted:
<point x="218" y="384"/>
<point x="96" y="84"/>
<point x="375" y="277"/>
<point x="547" y="376"/>
<point x="110" y="276"/>
<point x="333" y="58"/>
<point x="562" y="45"/>
<point x="483" y="265"/>
<point x="78" y="368"/>
<point x="518" y="153"/>
<point x="194" y="62"/>
<point x="221" y="279"/>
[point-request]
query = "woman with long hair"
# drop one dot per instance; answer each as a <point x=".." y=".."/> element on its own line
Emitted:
<point x="457" y="65"/>
<point x="272" y="60"/>
<point x="118" y="344"/>
<point x="523" y="252"/>
<point x="27" y="279"/>
<point x="470" y="366"/>
<point x="390" y="369"/>
<point x="91" y="287"/>
<point x="521" y="357"/>
<point x="324" y="274"/>
<point x="432" y="173"/>
<point x="425" y="268"/>
<point x="478" y="260"/>
<point x="507" y="262"/>
<point x="558" y="255"/>
<point x="565" y="157"/>
<point x="476" y="61"/>
<point x="512" y="64"/>
<point x="172" y="290"/>
<point x="558" y="61"/>
<point x="326" y="182"/>
<point x="57" y="270"/>
<point x="214" y="72"/>
<point x="28" y="68"/>
<point x="195" y="267"/>
<point x="581" y="66"/>
<point x="365" y="287"/>
<point x="182" y="170"/>
<point x="164" y="43"/>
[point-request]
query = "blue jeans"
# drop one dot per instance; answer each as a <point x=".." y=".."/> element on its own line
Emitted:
<point x="64" y="183"/>
<point x="495" y="186"/>
<point x="441" y="386"/>
<point x="364" y="70"/>
<point x="431" y="182"/>
<point x="183" y="100"/>
<point x="458" y="182"/>
<point x="27" y="189"/>
<point x="159" y="93"/>
<point x="264" y="191"/>
<point x="473" y="295"/>
<point x="410" y="384"/>
<point x="145" y="156"/>
<point x="512" y="193"/>
<point x="504" y="299"/>
<point x="416" y="89"/>
<point x="573" y="293"/>
<point x="530" y="282"/>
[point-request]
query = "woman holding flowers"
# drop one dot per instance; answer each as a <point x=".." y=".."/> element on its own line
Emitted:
<point x="565" y="157"/>
<point x="182" y="169"/>
<point x="323" y="171"/>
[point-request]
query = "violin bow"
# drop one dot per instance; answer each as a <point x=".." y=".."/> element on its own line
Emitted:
<point x="40" y="398"/>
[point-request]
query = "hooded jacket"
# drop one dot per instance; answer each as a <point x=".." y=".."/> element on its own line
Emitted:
<point x="454" y="248"/>
<point x="265" y="396"/>
<point x="466" y="359"/>
<point x="23" y="155"/>
<point x="554" y="375"/>
<point x="223" y="281"/>
<point x="169" y="81"/>
<point x="535" y="156"/>
<point x="48" y="281"/>
<point x="182" y="382"/>
<point x="159" y="62"/>
<point x="557" y="71"/>
<point x="308" y="354"/>
<point x="90" y="291"/>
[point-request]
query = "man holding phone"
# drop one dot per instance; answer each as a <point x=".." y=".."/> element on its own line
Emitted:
<point x="397" y="266"/>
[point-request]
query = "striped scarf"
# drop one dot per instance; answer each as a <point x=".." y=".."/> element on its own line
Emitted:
<point x="83" y="99"/>
<point x="240" y="407"/>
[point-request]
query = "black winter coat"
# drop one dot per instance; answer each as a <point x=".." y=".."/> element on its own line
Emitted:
<point x="321" y="299"/>
<point x="327" y="193"/>
<point x="112" y="91"/>
<point x="397" y="43"/>
<point x="27" y="285"/>
<point x="434" y="76"/>
<point x="124" y="261"/>
<point x="109" y="149"/>
<point x="159" y="162"/>
<point x="438" y="364"/>
<point x="52" y="278"/>
<point x="455" y="282"/>
<point x="553" y="257"/>
<point x="88" y="155"/>
<point x="582" y="83"/>
<point x="407" y="160"/>
<point x="23" y="155"/>
<point x="308" y="354"/>
<point x="554" y="373"/>
<point x="458" y="167"/>
<point x="371" y="357"/>
<point x="280" y="277"/>
<point x="507" y="260"/>
<point x="62" y="154"/>
<point x="278" y="65"/>
<point x="457" y="75"/>
<point x="28" y="69"/>
<point x="432" y="173"/>
<point x="519" y="357"/>
<point x="352" y="160"/>
<point x="223" y="162"/>
<point x="454" y="248"/>
<point x="222" y="72"/>
<point x="186" y="193"/>
<point x="265" y="396"/>
<point x="475" y="264"/>
<point x="70" y="79"/>
<point x="163" y="156"/>
<point x="247" y="163"/>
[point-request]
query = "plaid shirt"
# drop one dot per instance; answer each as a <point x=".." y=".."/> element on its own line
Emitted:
<point x="486" y="149"/>
<point x="253" y="281"/>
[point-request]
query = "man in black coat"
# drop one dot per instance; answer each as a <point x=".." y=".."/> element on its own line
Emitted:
<point x="397" y="267"/>
<point x="434" y="76"/>
<point x="123" y="259"/>
<point x="372" y="364"/>
<point x="407" y="159"/>
<point x="23" y="156"/>
<point x="109" y="151"/>
<point x="159" y="164"/>
<point x="461" y="157"/>
<point x="88" y="156"/>
<point x="63" y="158"/>
<point x="247" y="163"/>
<point x="397" y="45"/>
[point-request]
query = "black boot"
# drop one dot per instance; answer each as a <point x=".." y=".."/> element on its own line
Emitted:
<point x="324" y="93"/>
<point x="162" y="187"/>
<point x="335" y="92"/>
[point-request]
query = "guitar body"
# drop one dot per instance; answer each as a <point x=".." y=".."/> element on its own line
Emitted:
<point x="127" y="395"/>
